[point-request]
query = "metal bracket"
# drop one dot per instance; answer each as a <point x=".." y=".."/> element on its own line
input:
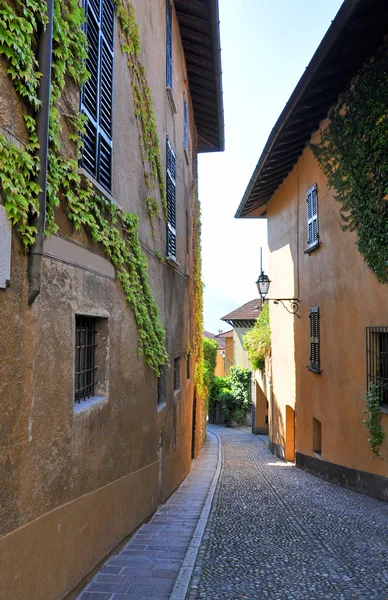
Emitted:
<point x="293" y="308"/>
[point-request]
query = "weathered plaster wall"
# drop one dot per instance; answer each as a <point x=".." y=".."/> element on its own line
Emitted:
<point x="74" y="485"/>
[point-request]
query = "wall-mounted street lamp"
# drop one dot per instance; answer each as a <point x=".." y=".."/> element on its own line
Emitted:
<point x="263" y="284"/>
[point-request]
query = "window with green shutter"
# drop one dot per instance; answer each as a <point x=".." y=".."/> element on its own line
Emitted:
<point x="97" y="93"/>
<point x="314" y="340"/>
<point x="171" y="203"/>
<point x="312" y="217"/>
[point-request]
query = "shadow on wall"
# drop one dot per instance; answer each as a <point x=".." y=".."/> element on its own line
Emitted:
<point x="276" y="428"/>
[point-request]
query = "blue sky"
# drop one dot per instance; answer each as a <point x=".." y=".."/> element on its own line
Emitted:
<point x="266" y="46"/>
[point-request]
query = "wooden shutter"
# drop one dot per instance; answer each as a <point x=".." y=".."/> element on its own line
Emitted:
<point x="169" y="44"/>
<point x="314" y="339"/>
<point x="185" y="123"/>
<point x="96" y="99"/>
<point x="171" y="203"/>
<point x="312" y="216"/>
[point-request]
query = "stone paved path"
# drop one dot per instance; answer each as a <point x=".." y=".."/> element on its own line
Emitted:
<point x="148" y="566"/>
<point x="277" y="533"/>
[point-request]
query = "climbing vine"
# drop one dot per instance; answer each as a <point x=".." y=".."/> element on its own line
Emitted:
<point x="373" y="420"/>
<point x="353" y="153"/>
<point x="258" y="340"/>
<point x="117" y="231"/>
<point x="198" y="301"/>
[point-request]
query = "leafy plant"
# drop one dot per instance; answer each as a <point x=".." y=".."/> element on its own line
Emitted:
<point x="218" y="384"/>
<point x="106" y="224"/>
<point x="373" y="421"/>
<point x="258" y="340"/>
<point x="353" y="154"/>
<point x="210" y="349"/>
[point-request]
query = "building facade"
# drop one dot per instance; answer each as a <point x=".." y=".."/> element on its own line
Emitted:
<point x="325" y="356"/>
<point x="95" y="433"/>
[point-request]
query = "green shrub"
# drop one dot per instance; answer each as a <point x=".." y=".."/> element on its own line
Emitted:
<point x="210" y="349"/>
<point x="258" y="340"/>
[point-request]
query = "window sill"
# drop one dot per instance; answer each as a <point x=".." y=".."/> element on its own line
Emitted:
<point x="177" y="393"/>
<point x="186" y="153"/>
<point x="318" y="455"/>
<point x="84" y="405"/>
<point x="171" y="100"/>
<point x="311" y="249"/>
<point x="170" y="260"/>
<point x="384" y="409"/>
<point x="97" y="187"/>
<point x="161" y="407"/>
<point x="316" y="371"/>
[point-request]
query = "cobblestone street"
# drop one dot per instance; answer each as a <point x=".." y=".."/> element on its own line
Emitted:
<point x="277" y="533"/>
<point x="254" y="527"/>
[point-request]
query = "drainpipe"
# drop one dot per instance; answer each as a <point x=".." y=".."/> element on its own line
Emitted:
<point x="45" y="42"/>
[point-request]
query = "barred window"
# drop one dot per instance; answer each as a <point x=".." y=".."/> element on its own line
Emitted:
<point x="314" y="340"/>
<point x="171" y="203"/>
<point x="312" y="217"/>
<point x="177" y="373"/>
<point x="85" y="358"/>
<point x="97" y="92"/>
<point x="168" y="44"/>
<point x="377" y="359"/>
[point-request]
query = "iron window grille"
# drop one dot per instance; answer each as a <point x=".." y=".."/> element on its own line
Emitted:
<point x="169" y="44"/>
<point x="177" y="373"/>
<point x="97" y="92"/>
<point x="171" y="202"/>
<point x="314" y="340"/>
<point x="185" y="124"/>
<point x="85" y="358"/>
<point x="312" y="217"/>
<point x="377" y="360"/>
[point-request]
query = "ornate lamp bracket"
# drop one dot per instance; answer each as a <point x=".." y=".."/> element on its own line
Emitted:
<point x="292" y="307"/>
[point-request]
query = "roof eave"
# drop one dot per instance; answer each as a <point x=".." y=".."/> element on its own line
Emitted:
<point x="344" y="14"/>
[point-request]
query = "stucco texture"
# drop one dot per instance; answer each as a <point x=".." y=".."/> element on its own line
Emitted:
<point x="73" y="485"/>
<point x="335" y="278"/>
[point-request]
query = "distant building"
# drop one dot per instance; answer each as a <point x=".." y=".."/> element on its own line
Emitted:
<point x="221" y="352"/>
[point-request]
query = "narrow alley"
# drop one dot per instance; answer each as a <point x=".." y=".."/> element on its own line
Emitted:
<point x="274" y="532"/>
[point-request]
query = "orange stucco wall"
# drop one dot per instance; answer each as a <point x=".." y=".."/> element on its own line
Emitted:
<point x="335" y="278"/>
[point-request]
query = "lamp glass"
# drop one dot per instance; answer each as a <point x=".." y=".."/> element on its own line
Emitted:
<point x="263" y="283"/>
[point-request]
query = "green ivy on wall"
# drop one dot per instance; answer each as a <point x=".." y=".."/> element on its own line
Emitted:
<point x="105" y="223"/>
<point x="198" y="303"/>
<point x="353" y="153"/>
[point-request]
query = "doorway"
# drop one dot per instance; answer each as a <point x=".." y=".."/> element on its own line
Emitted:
<point x="290" y="434"/>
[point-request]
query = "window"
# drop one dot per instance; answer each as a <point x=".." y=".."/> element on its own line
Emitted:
<point x="314" y="340"/>
<point x="96" y="97"/>
<point x="312" y="217"/>
<point x="377" y="359"/>
<point x="90" y="359"/>
<point x="85" y="358"/>
<point x="169" y="44"/>
<point x="185" y="124"/>
<point x="161" y="395"/>
<point x="171" y="205"/>
<point x="177" y="373"/>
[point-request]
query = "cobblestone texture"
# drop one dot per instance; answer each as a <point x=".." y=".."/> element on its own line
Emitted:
<point x="277" y="533"/>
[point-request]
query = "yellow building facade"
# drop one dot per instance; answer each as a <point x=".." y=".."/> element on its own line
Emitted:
<point x="318" y="383"/>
